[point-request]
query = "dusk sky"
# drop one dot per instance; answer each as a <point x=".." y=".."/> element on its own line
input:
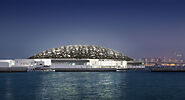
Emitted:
<point x="137" y="28"/>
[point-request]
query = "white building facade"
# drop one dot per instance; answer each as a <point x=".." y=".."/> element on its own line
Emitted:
<point x="70" y="63"/>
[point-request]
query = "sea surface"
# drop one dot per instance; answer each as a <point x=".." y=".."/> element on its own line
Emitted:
<point x="122" y="85"/>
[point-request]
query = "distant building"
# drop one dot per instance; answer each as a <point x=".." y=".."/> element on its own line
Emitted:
<point x="180" y="58"/>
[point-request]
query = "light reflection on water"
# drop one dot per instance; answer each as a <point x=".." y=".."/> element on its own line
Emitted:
<point x="8" y="91"/>
<point x="81" y="85"/>
<point x="92" y="86"/>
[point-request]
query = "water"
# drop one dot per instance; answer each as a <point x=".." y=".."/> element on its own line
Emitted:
<point x="92" y="86"/>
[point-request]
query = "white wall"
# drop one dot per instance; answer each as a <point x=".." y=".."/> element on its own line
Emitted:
<point x="6" y="63"/>
<point x="124" y="64"/>
<point x="94" y="63"/>
<point x="32" y="62"/>
<point x="103" y="63"/>
<point x="24" y="62"/>
<point x="69" y="66"/>
<point x="47" y="62"/>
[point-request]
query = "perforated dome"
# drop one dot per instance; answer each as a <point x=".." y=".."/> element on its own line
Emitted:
<point x="80" y="52"/>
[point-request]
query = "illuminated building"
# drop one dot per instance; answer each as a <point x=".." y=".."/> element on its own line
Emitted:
<point x="83" y="56"/>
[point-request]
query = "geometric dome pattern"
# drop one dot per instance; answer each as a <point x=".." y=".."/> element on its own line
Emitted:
<point x="80" y="52"/>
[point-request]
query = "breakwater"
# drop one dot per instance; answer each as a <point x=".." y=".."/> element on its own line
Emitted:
<point x="151" y="69"/>
<point x="13" y="69"/>
<point x="168" y="69"/>
<point x="85" y="69"/>
<point x="25" y="69"/>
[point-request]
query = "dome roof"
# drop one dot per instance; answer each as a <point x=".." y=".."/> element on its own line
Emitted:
<point x="80" y="52"/>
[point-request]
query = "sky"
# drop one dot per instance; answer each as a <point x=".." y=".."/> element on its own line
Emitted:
<point x="136" y="28"/>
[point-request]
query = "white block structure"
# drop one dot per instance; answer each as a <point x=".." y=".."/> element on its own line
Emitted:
<point x="105" y="63"/>
<point x="32" y="62"/>
<point x="71" y="63"/>
<point x="24" y="62"/>
<point x="124" y="64"/>
<point x="6" y="63"/>
<point x="46" y="62"/>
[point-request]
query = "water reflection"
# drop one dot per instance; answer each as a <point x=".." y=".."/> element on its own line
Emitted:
<point x="18" y="86"/>
<point x="62" y="85"/>
<point x="8" y="90"/>
<point x="94" y="85"/>
<point x="82" y="85"/>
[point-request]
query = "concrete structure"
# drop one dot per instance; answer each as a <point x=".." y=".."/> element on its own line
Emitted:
<point x="134" y="64"/>
<point x="6" y="63"/>
<point x="41" y="64"/>
<point x="13" y="69"/>
<point x="87" y="63"/>
<point x="73" y="63"/>
<point x="85" y="69"/>
<point x="83" y="56"/>
<point x="105" y="63"/>
<point x="74" y="56"/>
<point x="32" y="63"/>
<point x="25" y="63"/>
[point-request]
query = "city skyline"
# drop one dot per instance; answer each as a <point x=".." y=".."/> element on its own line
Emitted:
<point x="136" y="28"/>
